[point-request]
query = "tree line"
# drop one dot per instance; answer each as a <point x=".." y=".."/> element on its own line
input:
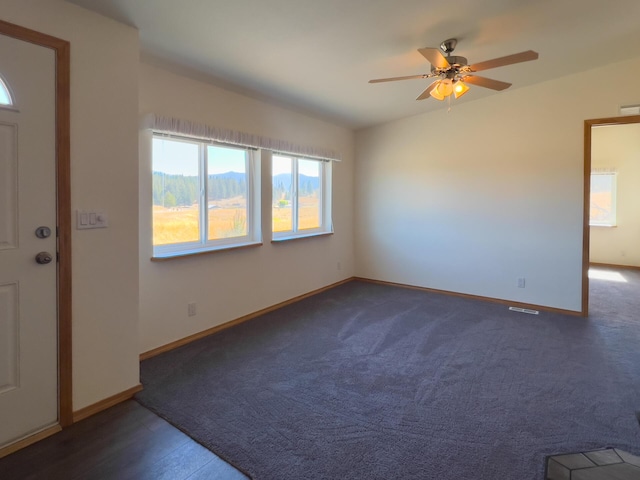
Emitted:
<point x="180" y="190"/>
<point x="307" y="186"/>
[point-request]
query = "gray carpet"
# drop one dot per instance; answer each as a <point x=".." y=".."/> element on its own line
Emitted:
<point x="375" y="382"/>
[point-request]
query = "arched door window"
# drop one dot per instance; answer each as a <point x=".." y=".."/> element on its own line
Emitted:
<point x="6" y="99"/>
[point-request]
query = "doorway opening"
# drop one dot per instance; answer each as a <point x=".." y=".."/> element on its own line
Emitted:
<point x="604" y="160"/>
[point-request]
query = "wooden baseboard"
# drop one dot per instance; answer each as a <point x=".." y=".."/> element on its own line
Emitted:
<point x="237" y="321"/>
<point x="30" y="440"/>
<point x="106" y="403"/>
<point x="612" y="265"/>
<point x="508" y="303"/>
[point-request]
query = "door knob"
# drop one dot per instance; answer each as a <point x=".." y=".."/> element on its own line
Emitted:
<point x="43" y="258"/>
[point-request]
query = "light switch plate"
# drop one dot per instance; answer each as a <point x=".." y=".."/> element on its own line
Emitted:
<point x="86" y="219"/>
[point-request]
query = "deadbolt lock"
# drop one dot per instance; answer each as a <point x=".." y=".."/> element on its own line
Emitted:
<point x="43" y="232"/>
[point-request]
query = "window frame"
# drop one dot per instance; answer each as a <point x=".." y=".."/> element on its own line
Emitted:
<point x="614" y="189"/>
<point x="204" y="244"/>
<point x="325" y="194"/>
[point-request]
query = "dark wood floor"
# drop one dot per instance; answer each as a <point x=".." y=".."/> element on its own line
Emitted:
<point x="124" y="442"/>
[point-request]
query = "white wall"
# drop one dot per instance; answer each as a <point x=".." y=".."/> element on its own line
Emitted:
<point x="104" y="174"/>
<point x="618" y="147"/>
<point x="468" y="201"/>
<point x="228" y="285"/>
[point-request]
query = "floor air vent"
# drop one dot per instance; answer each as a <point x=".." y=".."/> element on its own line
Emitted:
<point x="524" y="310"/>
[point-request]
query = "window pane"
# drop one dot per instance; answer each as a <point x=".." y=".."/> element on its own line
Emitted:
<point x="309" y="200"/>
<point x="175" y="192"/>
<point x="603" y="202"/>
<point x="282" y="181"/>
<point x="227" y="191"/>
<point x="5" y="96"/>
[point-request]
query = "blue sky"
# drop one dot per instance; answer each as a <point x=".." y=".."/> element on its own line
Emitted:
<point x="281" y="164"/>
<point x="177" y="157"/>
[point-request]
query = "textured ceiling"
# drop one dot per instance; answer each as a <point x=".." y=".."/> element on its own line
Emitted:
<point x="317" y="56"/>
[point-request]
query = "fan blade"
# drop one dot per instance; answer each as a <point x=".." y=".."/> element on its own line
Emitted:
<point x="435" y="57"/>
<point x="502" y="61"/>
<point x="427" y="91"/>
<point x="486" y="82"/>
<point x="393" y="79"/>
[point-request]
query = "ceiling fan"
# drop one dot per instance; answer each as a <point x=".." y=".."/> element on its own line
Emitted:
<point x="454" y="73"/>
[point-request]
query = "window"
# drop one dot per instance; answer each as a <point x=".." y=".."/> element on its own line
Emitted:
<point x="5" y="95"/>
<point x="204" y="196"/>
<point x="603" y="199"/>
<point x="301" y="203"/>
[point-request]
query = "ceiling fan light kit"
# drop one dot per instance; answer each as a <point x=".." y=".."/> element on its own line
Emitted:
<point x="454" y="73"/>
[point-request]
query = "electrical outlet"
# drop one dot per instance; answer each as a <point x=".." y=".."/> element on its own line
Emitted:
<point x="191" y="309"/>
<point x="339" y="266"/>
<point x="521" y="282"/>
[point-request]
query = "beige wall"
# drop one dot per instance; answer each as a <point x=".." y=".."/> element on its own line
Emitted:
<point x="468" y="201"/>
<point x="104" y="175"/>
<point x="228" y="285"/>
<point x="618" y="147"/>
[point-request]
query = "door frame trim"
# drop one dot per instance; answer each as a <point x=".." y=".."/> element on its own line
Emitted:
<point x="586" y="232"/>
<point x="63" y="193"/>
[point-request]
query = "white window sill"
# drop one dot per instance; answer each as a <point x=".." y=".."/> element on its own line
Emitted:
<point x="602" y="225"/>
<point x="164" y="256"/>
<point x="288" y="238"/>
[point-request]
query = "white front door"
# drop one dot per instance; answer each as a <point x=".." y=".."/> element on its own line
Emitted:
<point x="28" y="295"/>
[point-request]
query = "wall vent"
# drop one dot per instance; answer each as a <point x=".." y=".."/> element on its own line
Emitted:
<point x="524" y="310"/>
<point x="630" y="110"/>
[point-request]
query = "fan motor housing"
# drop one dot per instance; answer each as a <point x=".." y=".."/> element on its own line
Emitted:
<point x="456" y="63"/>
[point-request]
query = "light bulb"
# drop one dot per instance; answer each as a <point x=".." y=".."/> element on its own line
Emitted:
<point x="460" y="88"/>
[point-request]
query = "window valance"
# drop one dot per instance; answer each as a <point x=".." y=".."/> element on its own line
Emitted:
<point x="186" y="128"/>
